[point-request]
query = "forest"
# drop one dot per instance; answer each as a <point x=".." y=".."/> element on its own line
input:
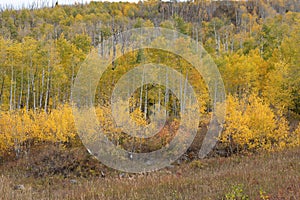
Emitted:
<point x="255" y="45"/>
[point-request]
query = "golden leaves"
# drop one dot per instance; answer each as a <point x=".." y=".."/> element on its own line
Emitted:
<point x="251" y="124"/>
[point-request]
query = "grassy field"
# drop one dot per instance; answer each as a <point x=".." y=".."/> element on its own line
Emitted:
<point x="261" y="176"/>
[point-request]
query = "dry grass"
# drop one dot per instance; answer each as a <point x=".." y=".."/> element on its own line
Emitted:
<point x="276" y="175"/>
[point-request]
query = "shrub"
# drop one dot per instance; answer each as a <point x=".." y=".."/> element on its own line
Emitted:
<point x="252" y="125"/>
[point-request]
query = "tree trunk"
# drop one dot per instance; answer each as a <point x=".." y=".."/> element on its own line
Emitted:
<point x="11" y="89"/>
<point x="21" y="89"/>
<point x="42" y="89"/>
<point x="47" y="86"/>
<point x="2" y="88"/>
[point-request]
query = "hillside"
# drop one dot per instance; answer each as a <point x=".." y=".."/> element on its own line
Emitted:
<point x="219" y="78"/>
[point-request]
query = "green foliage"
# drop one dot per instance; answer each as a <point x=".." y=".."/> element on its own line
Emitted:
<point x="236" y="193"/>
<point x="197" y="164"/>
<point x="82" y="42"/>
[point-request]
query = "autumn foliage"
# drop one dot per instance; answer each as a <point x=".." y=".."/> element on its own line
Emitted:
<point x="255" y="46"/>
<point x="252" y="125"/>
<point x="20" y="129"/>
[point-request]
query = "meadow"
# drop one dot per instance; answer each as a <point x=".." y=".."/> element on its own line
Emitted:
<point x="262" y="176"/>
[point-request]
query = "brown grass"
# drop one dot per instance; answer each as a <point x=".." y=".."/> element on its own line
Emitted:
<point x="276" y="175"/>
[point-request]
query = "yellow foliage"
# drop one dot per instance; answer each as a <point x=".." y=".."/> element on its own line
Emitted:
<point x="295" y="137"/>
<point x="17" y="127"/>
<point x="138" y="117"/>
<point x="252" y="125"/>
<point x="79" y="17"/>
